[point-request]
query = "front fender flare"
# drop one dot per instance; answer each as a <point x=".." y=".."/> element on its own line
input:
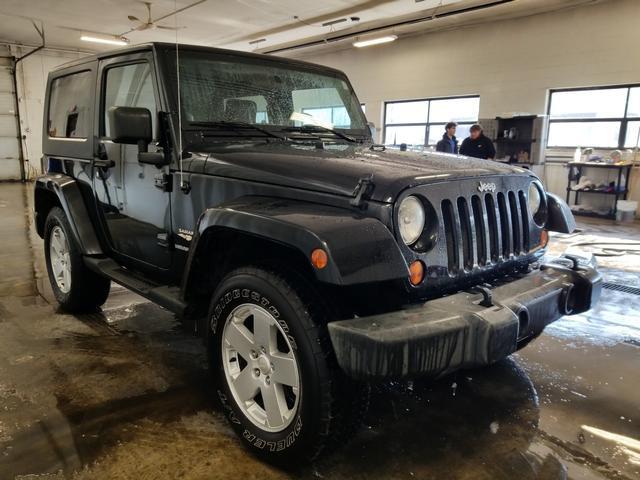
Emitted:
<point x="67" y="191"/>
<point x="360" y="249"/>
<point x="560" y="217"/>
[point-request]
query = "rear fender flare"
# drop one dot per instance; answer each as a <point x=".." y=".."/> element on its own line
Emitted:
<point x="68" y="194"/>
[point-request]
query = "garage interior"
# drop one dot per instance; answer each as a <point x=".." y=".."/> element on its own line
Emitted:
<point x="124" y="392"/>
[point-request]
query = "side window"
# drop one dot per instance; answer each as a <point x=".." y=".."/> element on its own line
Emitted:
<point x="69" y="106"/>
<point x="129" y="86"/>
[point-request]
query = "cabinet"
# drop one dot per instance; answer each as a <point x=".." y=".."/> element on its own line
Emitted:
<point x="519" y="139"/>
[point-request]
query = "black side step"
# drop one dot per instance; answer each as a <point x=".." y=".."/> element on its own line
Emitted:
<point x="167" y="296"/>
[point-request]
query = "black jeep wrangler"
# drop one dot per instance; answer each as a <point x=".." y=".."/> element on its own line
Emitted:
<point x="243" y="192"/>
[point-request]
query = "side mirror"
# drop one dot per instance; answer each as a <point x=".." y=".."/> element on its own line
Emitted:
<point x="133" y="126"/>
<point x="130" y="125"/>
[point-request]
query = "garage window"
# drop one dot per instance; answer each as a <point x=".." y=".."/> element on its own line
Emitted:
<point x="421" y="122"/>
<point x="69" y="112"/>
<point x="603" y="117"/>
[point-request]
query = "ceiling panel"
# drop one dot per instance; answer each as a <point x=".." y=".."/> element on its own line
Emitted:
<point x="229" y="23"/>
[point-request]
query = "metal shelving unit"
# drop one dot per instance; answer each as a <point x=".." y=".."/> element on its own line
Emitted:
<point x="618" y="193"/>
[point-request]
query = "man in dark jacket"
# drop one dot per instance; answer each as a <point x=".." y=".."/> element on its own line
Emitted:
<point x="477" y="145"/>
<point x="449" y="142"/>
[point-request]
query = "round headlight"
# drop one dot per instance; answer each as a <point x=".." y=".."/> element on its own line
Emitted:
<point x="534" y="199"/>
<point x="411" y="219"/>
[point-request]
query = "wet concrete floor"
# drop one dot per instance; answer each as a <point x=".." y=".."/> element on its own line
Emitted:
<point x="124" y="393"/>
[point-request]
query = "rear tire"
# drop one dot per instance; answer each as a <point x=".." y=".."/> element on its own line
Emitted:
<point x="319" y="407"/>
<point x="76" y="288"/>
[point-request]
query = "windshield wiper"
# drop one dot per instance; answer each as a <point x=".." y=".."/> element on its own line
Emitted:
<point x="238" y="125"/>
<point x="320" y="128"/>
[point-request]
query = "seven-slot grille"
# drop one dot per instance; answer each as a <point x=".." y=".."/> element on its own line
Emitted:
<point x="485" y="229"/>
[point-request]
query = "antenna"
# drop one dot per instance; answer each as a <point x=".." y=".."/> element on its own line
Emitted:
<point x="175" y="17"/>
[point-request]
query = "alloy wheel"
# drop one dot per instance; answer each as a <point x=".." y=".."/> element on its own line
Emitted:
<point x="260" y="367"/>
<point x="60" y="259"/>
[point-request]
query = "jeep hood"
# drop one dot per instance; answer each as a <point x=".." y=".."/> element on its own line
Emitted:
<point x="336" y="169"/>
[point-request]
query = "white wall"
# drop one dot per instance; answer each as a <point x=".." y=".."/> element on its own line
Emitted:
<point x="32" y="79"/>
<point x="511" y="64"/>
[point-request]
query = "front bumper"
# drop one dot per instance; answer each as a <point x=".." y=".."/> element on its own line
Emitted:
<point x="467" y="329"/>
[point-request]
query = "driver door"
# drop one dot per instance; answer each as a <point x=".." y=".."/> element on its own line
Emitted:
<point x="135" y="212"/>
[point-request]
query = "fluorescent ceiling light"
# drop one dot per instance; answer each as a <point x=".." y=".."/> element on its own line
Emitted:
<point x="108" y="41"/>
<point x="375" y="41"/>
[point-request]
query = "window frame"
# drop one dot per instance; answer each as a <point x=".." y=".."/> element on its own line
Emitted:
<point x="53" y="81"/>
<point x="624" y="120"/>
<point x="70" y="148"/>
<point x="104" y="72"/>
<point x="428" y="124"/>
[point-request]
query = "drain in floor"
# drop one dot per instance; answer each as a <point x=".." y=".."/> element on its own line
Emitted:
<point x="621" y="288"/>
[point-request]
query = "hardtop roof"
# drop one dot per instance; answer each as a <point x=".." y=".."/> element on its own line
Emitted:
<point x="164" y="45"/>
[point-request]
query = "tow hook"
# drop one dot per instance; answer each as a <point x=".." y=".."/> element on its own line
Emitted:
<point x="575" y="260"/>
<point x="485" y="291"/>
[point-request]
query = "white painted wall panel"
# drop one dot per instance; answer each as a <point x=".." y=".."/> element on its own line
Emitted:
<point x="9" y="149"/>
<point x="9" y="170"/>
<point x="7" y="125"/>
<point x="6" y="82"/>
<point x="9" y="146"/>
<point x="7" y="102"/>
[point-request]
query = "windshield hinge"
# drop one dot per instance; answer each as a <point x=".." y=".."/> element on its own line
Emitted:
<point x="362" y="191"/>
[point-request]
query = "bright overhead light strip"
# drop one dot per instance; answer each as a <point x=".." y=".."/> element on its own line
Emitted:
<point x="375" y="41"/>
<point x="108" y="41"/>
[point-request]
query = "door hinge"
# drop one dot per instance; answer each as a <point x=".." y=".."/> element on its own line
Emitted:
<point x="163" y="181"/>
<point x="362" y="191"/>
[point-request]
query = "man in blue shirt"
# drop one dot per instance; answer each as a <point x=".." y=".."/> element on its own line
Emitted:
<point x="449" y="142"/>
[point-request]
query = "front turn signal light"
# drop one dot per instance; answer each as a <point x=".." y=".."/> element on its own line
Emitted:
<point x="416" y="272"/>
<point x="319" y="258"/>
<point x="544" y="238"/>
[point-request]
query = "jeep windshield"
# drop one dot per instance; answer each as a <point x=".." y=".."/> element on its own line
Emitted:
<point x="226" y="92"/>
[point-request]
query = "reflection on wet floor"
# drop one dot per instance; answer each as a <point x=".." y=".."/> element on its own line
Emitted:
<point x="124" y="393"/>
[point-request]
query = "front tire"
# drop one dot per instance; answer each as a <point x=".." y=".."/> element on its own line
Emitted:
<point x="76" y="288"/>
<point x="277" y="379"/>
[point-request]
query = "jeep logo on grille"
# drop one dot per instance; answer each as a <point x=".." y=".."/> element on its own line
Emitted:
<point x="486" y="187"/>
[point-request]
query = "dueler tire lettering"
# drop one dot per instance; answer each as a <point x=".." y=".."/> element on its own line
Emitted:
<point x="329" y="406"/>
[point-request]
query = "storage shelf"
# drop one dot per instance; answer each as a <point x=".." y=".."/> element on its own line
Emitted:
<point x="598" y="165"/>
<point x="576" y="176"/>
<point x="601" y="192"/>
